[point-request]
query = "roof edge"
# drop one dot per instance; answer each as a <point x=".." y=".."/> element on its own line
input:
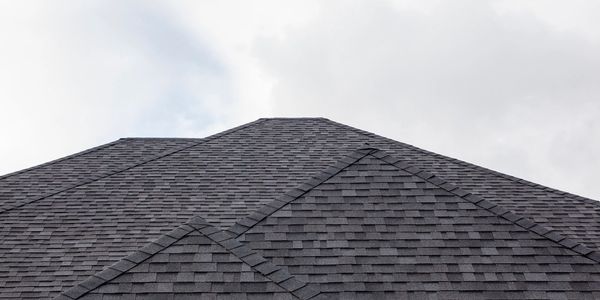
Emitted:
<point x="87" y="151"/>
<point x="495" y="209"/>
<point x="468" y="164"/>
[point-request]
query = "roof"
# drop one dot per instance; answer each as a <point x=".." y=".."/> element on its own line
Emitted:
<point x="390" y="220"/>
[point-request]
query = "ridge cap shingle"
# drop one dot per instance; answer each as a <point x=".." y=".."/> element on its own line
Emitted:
<point x="495" y="209"/>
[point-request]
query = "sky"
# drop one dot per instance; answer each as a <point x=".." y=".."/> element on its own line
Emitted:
<point x="509" y="85"/>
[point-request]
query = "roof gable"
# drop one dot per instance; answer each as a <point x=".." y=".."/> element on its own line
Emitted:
<point x="374" y="229"/>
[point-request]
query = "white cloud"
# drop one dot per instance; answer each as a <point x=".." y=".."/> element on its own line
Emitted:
<point x="511" y="85"/>
<point x="81" y="73"/>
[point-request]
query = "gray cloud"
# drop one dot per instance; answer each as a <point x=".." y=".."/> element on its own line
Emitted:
<point x="506" y="90"/>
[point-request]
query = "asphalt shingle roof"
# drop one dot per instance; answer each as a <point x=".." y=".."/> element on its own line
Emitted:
<point x="64" y="221"/>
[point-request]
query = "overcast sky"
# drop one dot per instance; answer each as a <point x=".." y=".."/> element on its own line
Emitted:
<point x="510" y="85"/>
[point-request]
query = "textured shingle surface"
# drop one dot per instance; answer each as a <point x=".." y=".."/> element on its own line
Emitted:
<point x="373" y="231"/>
<point x="64" y="221"/>
<point x="28" y="185"/>
<point x="194" y="261"/>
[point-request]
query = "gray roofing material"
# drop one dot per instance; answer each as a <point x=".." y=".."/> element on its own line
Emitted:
<point x="67" y="220"/>
<point x="375" y="231"/>
<point x="193" y="261"/>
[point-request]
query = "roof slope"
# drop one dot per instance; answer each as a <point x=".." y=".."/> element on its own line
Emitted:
<point x="194" y="260"/>
<point x="64" y="221"/>
<point x="373" y="231"/>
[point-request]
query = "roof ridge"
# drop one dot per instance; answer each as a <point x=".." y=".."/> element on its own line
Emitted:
<point x="246" y="223"/>
<point x="87" y="151"/>
<point x="468" y="164"/>
<point x="131" y="166"/>
<point x="258" y="263"/>
<point x="495" y="209"/>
